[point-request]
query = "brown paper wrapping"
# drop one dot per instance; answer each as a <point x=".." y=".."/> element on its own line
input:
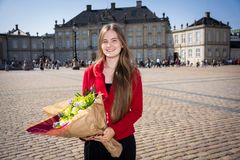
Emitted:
<point x="88" y="122"/>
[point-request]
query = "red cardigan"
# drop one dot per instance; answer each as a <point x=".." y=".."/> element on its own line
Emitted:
<point x="93" y="76"/>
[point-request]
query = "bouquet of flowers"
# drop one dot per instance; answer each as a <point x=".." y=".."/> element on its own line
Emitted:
<point x="80" y="117"/>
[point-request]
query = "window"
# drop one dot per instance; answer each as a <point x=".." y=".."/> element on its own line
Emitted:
<point x="217" y="36"/>
<point x="94" y="40"/>
<point x="209" y="36"/>
<point x="34" y="45"/>
<point x="198" y="37"/>
<point x="139" y="41"/>
<point x="130" y="29"/>
<point x="158" y="55"/>
<point x="77" y="43"/>
<point x="189" y="52"/>
<point x="14" y="44"/>
<point x="149" y="54"/>
<point x="67" y="34"/>
<point x="224" y="52"/>
<point x="189" y="37"/>
<point x="84" y="34"/>
<point x="209" y="52"/>
<point x="176" y="39"/>
<point x="139" y="29"/>
<point x="224" y="37"/>
<point x="159" y="28"/>
<point x="217" y="52"/>
<point x="130" y="40"/>
<point x="78" y="33"/>
<point x="182" y="55"/>
<point x="150" y="39"/>
<point x="197" y="52"/>
<point x="158" y="38"/>
<point x="68" y="44"/>
<point x="51" y="46"/>
<point x="149" y="28"/>
<point x="154" y="29"/>
<point x="60" y="43"/>
<point x="183" y="38"/>
<point x="24" y="43"/>
<point x="139" y="55"/>
<point x="85" y="44"/>
<point x="170" y="39"/>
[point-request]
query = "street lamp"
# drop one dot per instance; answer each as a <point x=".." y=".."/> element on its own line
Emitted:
<point x="43" y="42"/>
<point x="42" y="59"/>
<point x="75" y="60"/>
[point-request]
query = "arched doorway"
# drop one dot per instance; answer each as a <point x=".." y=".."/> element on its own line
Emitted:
<point x="175" y="56"/>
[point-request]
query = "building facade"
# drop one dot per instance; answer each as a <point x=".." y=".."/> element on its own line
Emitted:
<point x="147" y="35"/>
<point x="205" y="40"/>
<point x="19" y="46"/>
<point x="235" y="46"/>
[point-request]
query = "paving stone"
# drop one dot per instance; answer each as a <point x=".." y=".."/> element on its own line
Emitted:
<point x="189" y="113"/>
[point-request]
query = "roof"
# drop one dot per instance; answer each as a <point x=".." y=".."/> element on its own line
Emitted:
<point x="209" y="21"/>
<point x="17" y="31"/>
<point x="138" y="14"/>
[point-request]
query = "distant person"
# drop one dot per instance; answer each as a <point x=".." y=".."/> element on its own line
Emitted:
<point x="41" y="63"/>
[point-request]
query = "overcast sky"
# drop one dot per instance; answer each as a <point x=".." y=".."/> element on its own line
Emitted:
<point x="39" y="15"/>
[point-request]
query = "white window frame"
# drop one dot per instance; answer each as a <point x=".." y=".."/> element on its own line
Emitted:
<point x="190" y="53"/>
<point x="190" y="38"/>
<point x="198" y="36"/>
<point x="198" y="52"/>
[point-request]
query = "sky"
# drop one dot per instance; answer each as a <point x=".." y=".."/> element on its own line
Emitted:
<point x="39" y="15"/>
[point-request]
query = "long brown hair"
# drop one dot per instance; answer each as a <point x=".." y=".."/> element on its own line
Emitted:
<point x="122" y="75"/>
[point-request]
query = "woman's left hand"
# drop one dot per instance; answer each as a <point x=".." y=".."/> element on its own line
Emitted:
<point x="108" y="134"/>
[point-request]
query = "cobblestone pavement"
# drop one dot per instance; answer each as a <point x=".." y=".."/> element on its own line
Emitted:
<point x="189" y="114"/>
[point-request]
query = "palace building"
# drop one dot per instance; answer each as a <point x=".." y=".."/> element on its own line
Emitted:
<point x="207" y="39"/>
<point x="19" y="46"/>
<point x="148" y="36"/>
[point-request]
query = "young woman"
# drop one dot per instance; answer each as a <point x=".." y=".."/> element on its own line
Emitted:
<point x="118" y="80"/>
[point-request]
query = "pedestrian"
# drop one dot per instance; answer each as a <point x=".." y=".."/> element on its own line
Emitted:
<point x="41" y="61"/>
<point x="119" y="81"/>
<point x="158" y="63"/>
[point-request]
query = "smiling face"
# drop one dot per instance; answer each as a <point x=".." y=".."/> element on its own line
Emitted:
<point x="111" y="45"/>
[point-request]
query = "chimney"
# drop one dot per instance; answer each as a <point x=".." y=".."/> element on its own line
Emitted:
<point x="63" y="21"/>
<point x="112" y="6"/>
<point x="187" y="25"/>
<point x="139" y="4"/>
<point x="207" y="14"/>
<point x="16" y="26"/>
<point x="181" y="26"/>
<point x="89" y="7"/>
<point x="163" y="15"/>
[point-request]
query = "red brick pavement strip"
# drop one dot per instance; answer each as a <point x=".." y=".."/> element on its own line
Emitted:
<point x="189" y="113"/>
